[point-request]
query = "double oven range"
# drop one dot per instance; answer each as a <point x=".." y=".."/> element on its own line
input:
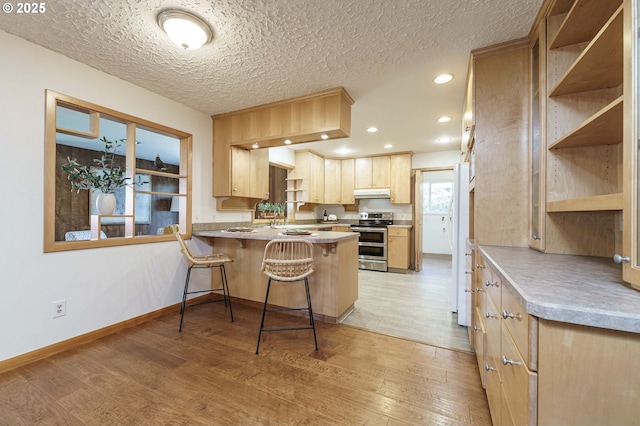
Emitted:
<point x="372" y="243"/>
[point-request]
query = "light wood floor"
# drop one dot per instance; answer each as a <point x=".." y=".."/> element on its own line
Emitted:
<point x="209" y="374"/>
<point x="416" y="305"/>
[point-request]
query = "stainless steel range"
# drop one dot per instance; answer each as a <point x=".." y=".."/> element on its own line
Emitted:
<point x="372" y="243"/>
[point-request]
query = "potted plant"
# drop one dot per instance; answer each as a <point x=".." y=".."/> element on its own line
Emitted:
<point x="104" y="175"/>
<point x="271" y="210"/>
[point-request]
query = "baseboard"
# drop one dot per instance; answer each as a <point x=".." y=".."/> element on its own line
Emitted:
<point x="65" y="345"/>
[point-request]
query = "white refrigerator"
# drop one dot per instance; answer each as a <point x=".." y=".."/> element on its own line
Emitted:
<point x="460" y="300"/>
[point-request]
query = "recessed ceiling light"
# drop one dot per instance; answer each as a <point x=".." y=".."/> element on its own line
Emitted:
<point x="444" y="119"/>
<point x="387" y="146"/>
<point x="444" y="139"/>
<point x="184" y="29"/>
<point x="255" y="146"/>
<point x="343" y="151"/>
<point x="443" y="78"/>
<point x="324" y="136"/>
<point x="287" y="141"/>
<point x="372" y="129"/>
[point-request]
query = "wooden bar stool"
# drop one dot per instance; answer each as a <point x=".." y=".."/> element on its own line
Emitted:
<point x="216" y="260"/>
<point x="288" y="260"/>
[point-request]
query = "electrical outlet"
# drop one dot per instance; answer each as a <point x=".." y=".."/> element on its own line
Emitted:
<point x="59" y="308"/>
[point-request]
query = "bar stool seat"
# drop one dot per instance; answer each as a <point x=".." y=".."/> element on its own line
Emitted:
<point x="288" y="260"/>
<point x="215" y="260"/>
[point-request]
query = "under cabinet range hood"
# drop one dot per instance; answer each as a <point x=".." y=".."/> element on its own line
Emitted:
<point x="372" y="193"/>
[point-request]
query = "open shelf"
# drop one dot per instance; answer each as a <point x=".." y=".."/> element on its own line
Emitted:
<point x="583" y="21"/>
<point x="600" y="64"/>
<point x="603" y="128"/>
<point x="607" y="202"/>
<point x="560" y="7"/>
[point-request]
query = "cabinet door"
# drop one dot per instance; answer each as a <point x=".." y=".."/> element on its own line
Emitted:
<point x="259" y="174"/>
<point x="332" y="181"/>
<point x="537" y="156"/>
<point x="400" y="169"/>
<point x="381" y="172"/>
<point x="363" y="172"/>
<point x="240" y="179"/>
<point x="316" y="179"/>
<point x="631" y="190"/>
<point x="348" y="181"/>
<point x="398" y="248"/>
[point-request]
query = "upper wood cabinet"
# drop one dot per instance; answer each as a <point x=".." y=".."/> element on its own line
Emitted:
<point x="373" y="172"/>
<point x="309" y="172"/>
<point x="584" y="127"/>
<point x="400" y="169"/>
<point x="247" y="176"/>
<point x="332" y="181"/>
<point x="348" y="181"/>
<point x="302" y="119"/>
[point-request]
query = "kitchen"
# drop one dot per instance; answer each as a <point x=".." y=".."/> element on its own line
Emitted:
<point x="141" y="268"/>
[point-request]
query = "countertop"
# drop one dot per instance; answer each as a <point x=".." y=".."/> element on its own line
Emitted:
<point x="320" y="237"/>
<point x="573" y="289"/>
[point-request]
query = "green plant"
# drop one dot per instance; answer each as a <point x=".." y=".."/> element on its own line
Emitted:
<point x="105" y="174"/>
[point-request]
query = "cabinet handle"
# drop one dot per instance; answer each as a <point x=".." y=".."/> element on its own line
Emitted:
<point x="476" y="328"/>
<point x="489" y="368"/>
<point x="490" y="284"/>
<point x="468" y="273"/>
<point x="468" y="291"/>
<point x="467" y="254"/>
<point x="235" y="189"/>
<point x="619" y="259"/>
<point x="488" y="315"/>
<point x="506" y="315"/>
<point x="506" y="361"/>
<point x="479" y="266"/>
<point x="479" y="290"/>
<point x="536" y="237"/>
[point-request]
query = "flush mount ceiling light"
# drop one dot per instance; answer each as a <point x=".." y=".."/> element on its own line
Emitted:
<point x="444" y="119"/>
<point x="387" y="146"/>
<point x="443" y="78"/>
<point x="372" y="129"/>
<point x="184" y="29"/>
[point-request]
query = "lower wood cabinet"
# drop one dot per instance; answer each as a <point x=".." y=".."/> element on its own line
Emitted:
<point x="542" y="372"/>
<point x="398" y="248"/>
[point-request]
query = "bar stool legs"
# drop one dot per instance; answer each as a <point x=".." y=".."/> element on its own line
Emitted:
<point x="309" y="309"/>
<point x="225" y="291"/>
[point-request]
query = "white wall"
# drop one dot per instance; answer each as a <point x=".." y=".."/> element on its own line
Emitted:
<point x="435" y="159"/>
<point x="102" y="286"/>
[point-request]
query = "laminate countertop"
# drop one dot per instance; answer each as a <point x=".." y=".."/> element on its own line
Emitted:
<point x="267" y="233"/>
<point x="573" y="289"/>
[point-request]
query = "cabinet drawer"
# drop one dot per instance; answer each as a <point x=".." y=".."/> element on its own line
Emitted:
<point x="479" y="343"/>
<point x="519" y="384"/>
<point x="520" y="325"/>
<point x="398" y="232"/>
<point x="489" y="281"/>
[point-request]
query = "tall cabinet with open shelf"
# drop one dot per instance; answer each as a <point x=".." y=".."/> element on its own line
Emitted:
<point x="584" y="123"/>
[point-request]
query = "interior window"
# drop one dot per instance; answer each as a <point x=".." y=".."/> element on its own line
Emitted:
<point x="141" y="168"/>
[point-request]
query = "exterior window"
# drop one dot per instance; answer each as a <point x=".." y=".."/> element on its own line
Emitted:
<point x="436" y="197"/>
<point x="92" y="151"/>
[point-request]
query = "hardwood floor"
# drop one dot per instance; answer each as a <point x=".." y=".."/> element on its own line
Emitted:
<point x="209" y="374"/>
<point x="416" y="305"/>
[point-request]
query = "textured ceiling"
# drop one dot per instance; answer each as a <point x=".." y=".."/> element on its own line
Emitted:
<point x="384" y="52"/>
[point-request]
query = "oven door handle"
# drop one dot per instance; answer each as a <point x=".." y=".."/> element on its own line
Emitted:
<point x="372" y="244"/>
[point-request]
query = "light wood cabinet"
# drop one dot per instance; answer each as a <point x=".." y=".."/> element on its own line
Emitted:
<point x="341" y="228"/>
<point x="400" y="181"/>
<point x="247" y="176"/>
<point x="309" y="174"/>
<point x="584" y="127"/>
<point x="348" y="184"/>
<point x="373" y="172"/>
<point x="332" y="181"/>
<point x="501" y="108"/>
<point x="398" y="248"/>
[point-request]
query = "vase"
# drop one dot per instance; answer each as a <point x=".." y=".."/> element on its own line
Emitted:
<point x="106" y="204"/>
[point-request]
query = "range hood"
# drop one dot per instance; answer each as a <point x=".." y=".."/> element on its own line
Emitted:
<point x="372" y="193"/>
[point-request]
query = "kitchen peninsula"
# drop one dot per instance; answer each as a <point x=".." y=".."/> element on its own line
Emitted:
<point x="333" y="284"/>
